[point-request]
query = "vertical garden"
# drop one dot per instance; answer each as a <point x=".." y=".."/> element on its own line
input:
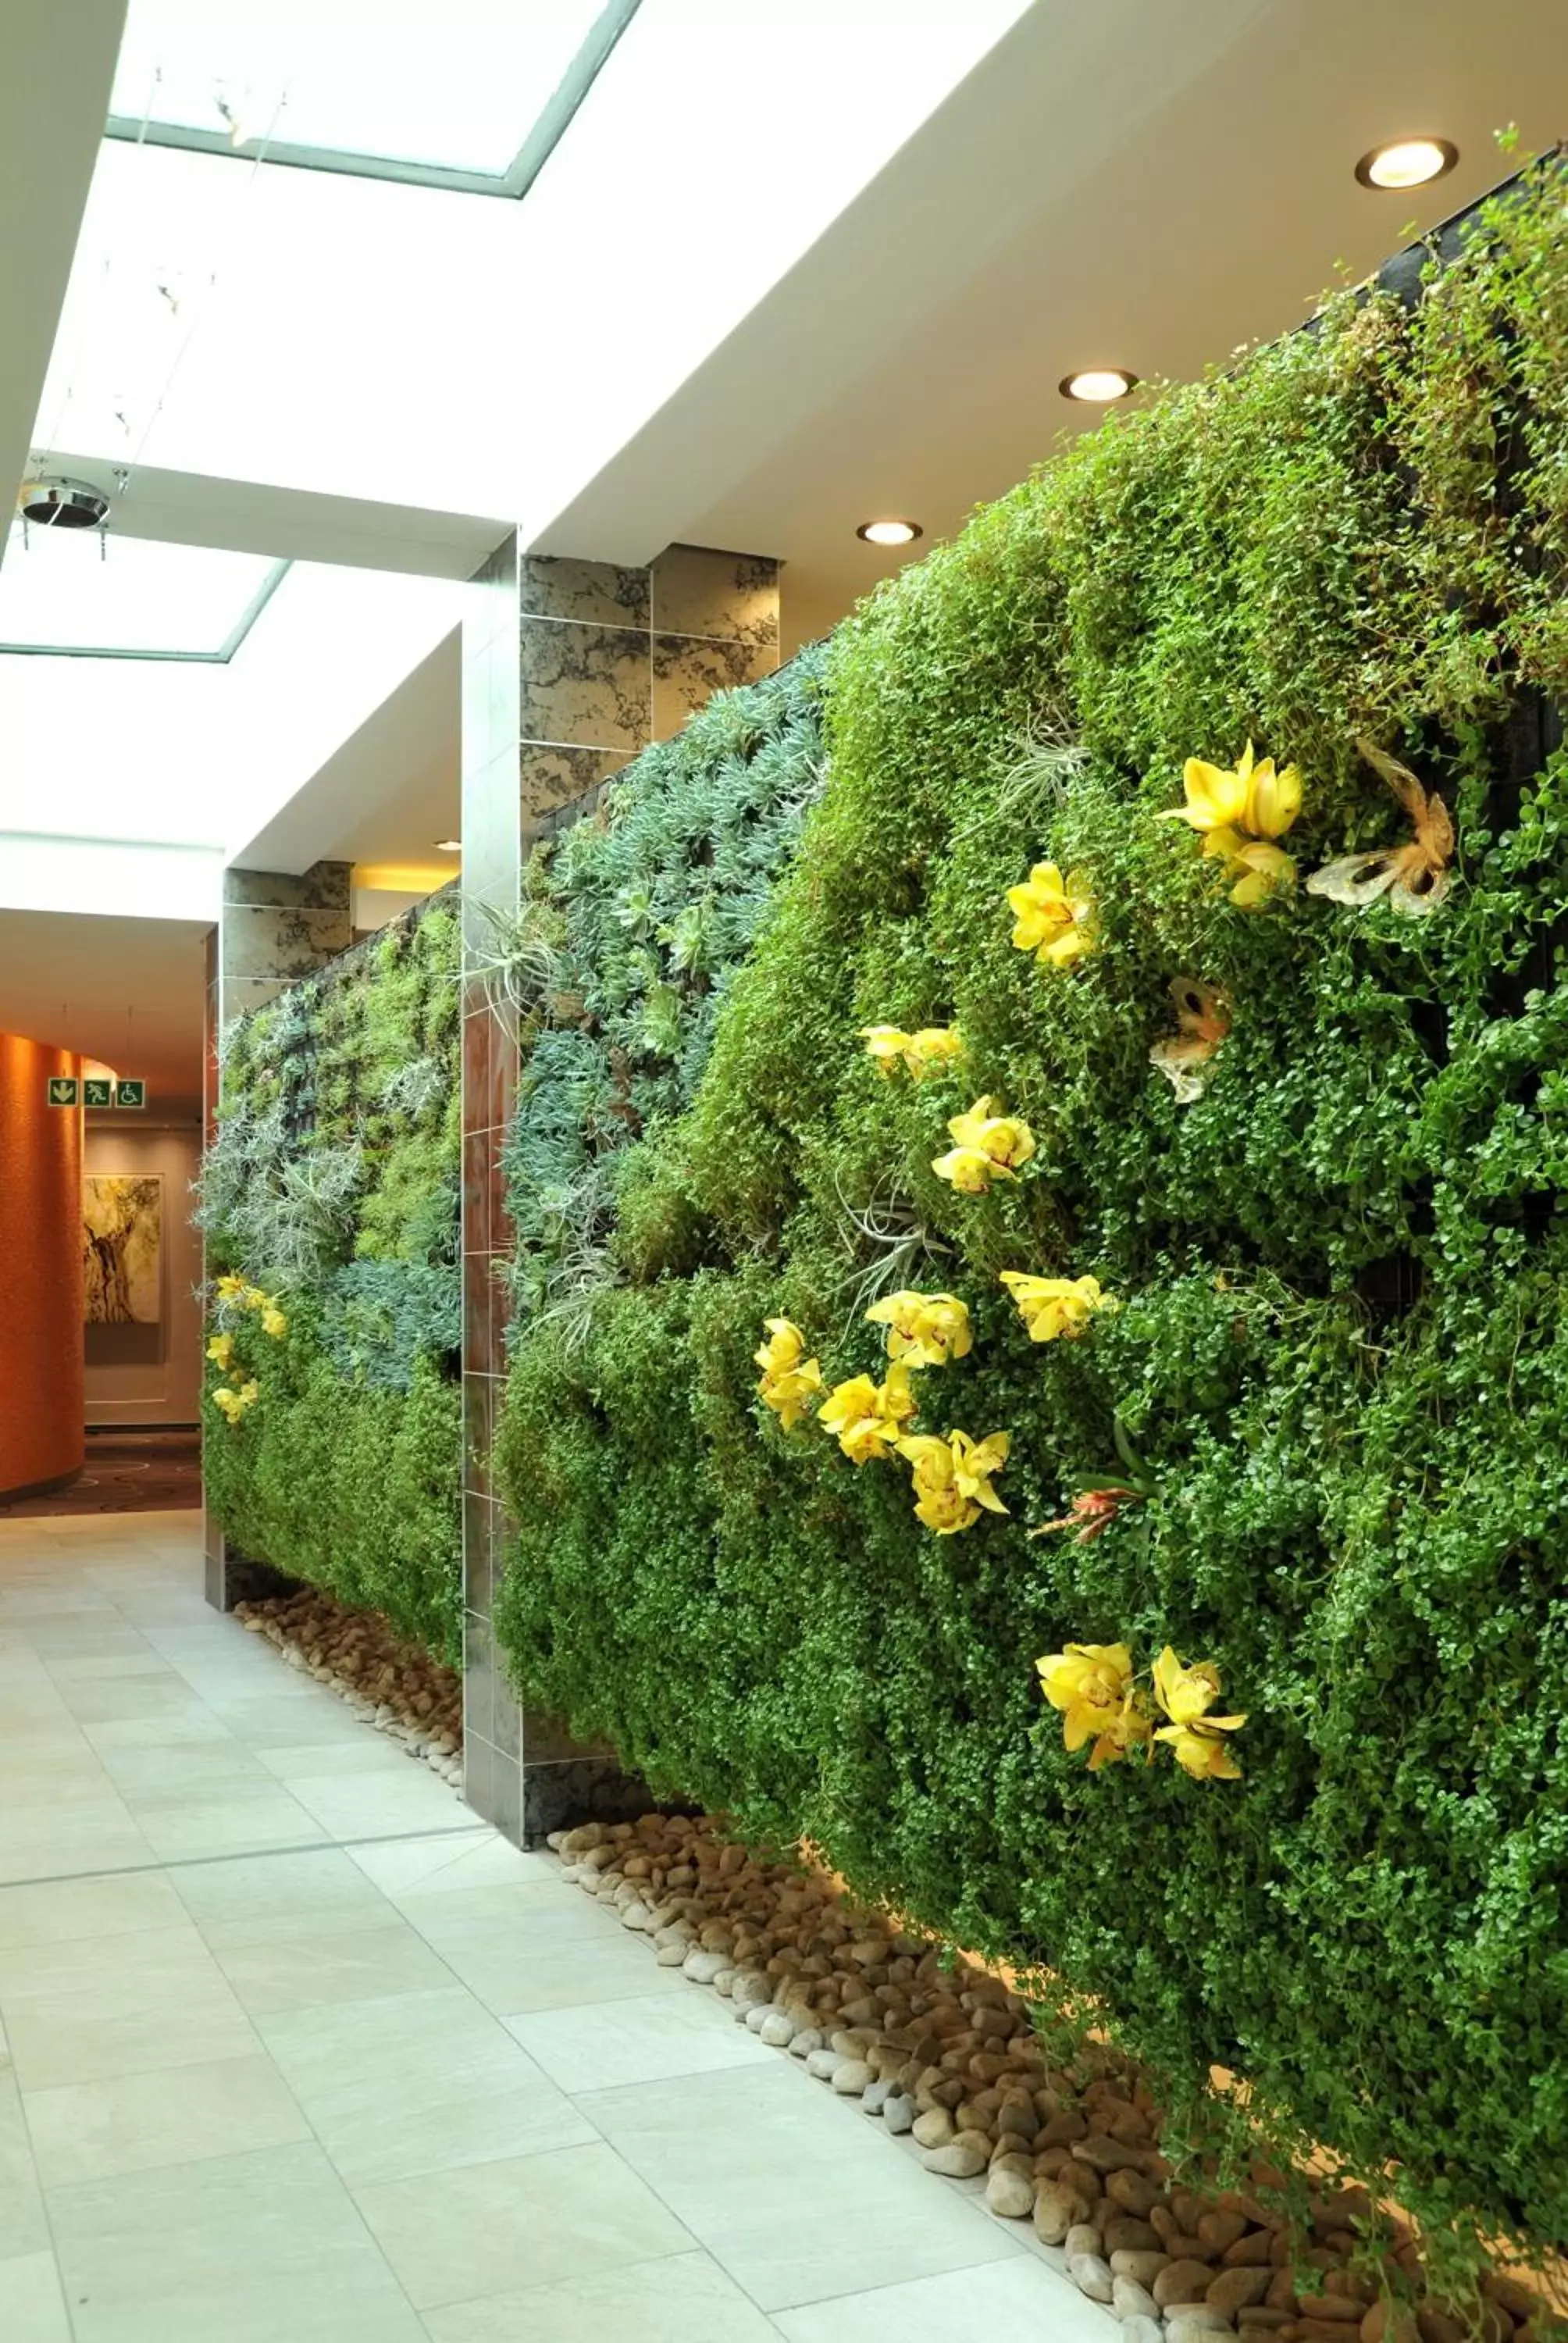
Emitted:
<point x="1135" y="1081"/>
<point x="329" y="1204"/>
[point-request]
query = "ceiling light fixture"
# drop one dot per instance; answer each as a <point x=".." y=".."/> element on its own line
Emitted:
<point x="889" y="532"/>
<point x="1098" y="386"/>
<point x="50" y="502"/>
<point x="449" y="845"/>
<point x="1407" y="163"/>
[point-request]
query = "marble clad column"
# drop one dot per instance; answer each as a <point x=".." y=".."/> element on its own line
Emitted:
<point x="275" y="927"/>
<point x="569" y="669"/>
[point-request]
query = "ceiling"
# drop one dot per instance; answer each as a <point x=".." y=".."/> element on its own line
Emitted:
<point x="128" y="991"/>
<point x="1132" y="185"/>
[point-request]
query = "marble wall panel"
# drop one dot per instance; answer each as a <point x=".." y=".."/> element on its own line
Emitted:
<point x="687" y="670"/>
<point x="594" y="593"/>
<point x="269" y="940"/>
<point x="324" y="887"/>
<point x="584" y="686"/>
<point x="731" y="597"/>
<point x="550" y="778"/>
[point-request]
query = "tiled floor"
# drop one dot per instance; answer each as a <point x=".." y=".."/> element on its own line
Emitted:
<point x="295" y="2052"/>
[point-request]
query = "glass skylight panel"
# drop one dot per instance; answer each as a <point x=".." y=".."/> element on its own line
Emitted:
<point x="456" y="93"/>
<point x="128" y="597"/>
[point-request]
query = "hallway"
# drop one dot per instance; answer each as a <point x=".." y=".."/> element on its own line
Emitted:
<point x="292" y="2049"/>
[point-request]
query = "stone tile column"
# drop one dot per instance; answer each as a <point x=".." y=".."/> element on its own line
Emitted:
<point x="569" y="669"/>
<point x="275" y="927"/>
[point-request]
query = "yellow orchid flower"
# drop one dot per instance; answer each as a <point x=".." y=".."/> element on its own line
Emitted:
<point x="924" y="1330"/>
<point x="990" y="1147"/>
<point x="868" y="1417"/>
<point x="953" y="1478"/>
<point x="788" y="1381"/>
<point x="1216" y="795"/>
<point x="1273" y="798"/>
<point x="931" y="1049"/>
<point x="886" y="1044"/>
<point x="1265" y="870"/>
<point x="273" y="1322"/>
<point x="1186" y="1695"/>
<point x="1091" y="1684"/>
<point x="220" y="1351"/>
<point x="250" y="1392"/>
<point x="232" y="1288"/>
<point x="1053" y="1306"/>
<point x="1054" y="916"/>
<point x="232" y="1404"/>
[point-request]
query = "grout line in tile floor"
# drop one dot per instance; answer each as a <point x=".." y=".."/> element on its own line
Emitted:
<point x="241" y="1854"/>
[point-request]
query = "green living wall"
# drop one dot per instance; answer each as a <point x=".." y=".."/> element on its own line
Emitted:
<point x="331" y="1194"/>
<point x="1334" y="1392"/>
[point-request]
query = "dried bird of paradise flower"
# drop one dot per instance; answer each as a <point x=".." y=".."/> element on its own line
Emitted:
<point x="1203" y="1019"/>
<point x="1413" y="877"/>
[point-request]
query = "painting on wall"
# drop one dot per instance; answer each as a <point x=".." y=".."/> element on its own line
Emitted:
<point x="122" y="1249"/>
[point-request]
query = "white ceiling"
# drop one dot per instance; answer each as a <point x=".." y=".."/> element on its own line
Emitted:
<point x="128" y="991"/>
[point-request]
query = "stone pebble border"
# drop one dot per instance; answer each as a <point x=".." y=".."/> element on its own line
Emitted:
<point x="940" y="2050"/>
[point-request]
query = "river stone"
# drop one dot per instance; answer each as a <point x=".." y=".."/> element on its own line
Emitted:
<point x="1182" y="2281"/>
<point x="1204" y="2317"/>
<point x="960" y="2159"/>
<point x="1142" y="2330"/>
<point x="802" y="2044"/>
<point x="1238" y="2288"/>
<point x="850" y="2078"/>
<point x="1090" y="2276"/>
<point x="702" y="1969"/>
<point x="1055" y="2210"/>
<point x="777" y="2029"/>
<point x="1184" y="2326"/>
<point x="1131" y="2300"/>
<point x="1010" y="2192"/>
<point x="898" y="2112"/>
<point x="1142" y="2268"/>
<point x="934" y="2128"/>
<point x="824" y="2064"/>
<point x="1083" y="2238"/>
<point x="670" y="1957"/>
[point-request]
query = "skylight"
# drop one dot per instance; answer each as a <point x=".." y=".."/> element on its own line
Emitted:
<point x="471" y="94"/>
<point x="128" y="597"/>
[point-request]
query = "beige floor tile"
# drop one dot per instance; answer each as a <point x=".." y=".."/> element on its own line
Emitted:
<point x="638" y="2041"/>
<point x="108" y="1699"/>
<point x="24" y="2229"/>
<point x="136" y="1659"/>
<point x="684" y="2298"/>
<point x="306" y="1971"/>
<point x="88" y="2009"/>
<point x="277" y="1720"/>
<point x="40" y="1845"/>
<point x="177" y="2115"/>
<point x="423" y="2084"/>
<point x="31" y="2301"/>
<point x="492" y="2228"/>
<point x="259" y="1899"/>
<point x="1022" y="2297"/>
<point x="365" y="1805"/>
<point x="443" y="1862"/>
<point x="190" y="1768"/>
<point x="540" y="1912"/>
<point x="511" y="1975"/>
<point x="67" y="1909"/>
<point x="232" y="1818"/>
<point x="260" y="2248"/>
<point x="796" y="2204"/>
<point x="372" y="1753"/>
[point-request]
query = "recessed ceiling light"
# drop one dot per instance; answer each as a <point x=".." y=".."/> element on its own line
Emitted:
<point x="1098" y="384"/>
<point x="448" y="846"/>
<point x="889" y="532"/>
<point x="1407" y="163"/>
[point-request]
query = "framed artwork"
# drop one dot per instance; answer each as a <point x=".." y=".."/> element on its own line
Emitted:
<point x="122" y="1249"/>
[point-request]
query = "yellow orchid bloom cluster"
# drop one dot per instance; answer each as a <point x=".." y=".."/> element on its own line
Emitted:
<point x="924" y="1330"/>
<point x="987" y="1147"/>
<point x="789" y="1380"/>
<point x="1239" y="812"/>
<point x="870" y="1418"/>
<point x="1054" y="916"/>
<point x="1196" y="1739"/>
<point x="1053" y="1307"/>
<point x="232" y="1403"/>
<point x="220" y="1351"/>
<point x="922" y="1053"/>
<point x="953" y="1478"/>
<point x="1094" y="1687"/>
<point x="235" y="1292"/>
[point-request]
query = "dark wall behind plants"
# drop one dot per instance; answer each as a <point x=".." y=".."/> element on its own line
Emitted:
<point x="1338" y="1367"/>
<point x="330" y="1205"/>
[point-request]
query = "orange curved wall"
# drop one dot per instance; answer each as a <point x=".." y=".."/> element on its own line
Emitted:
<point x="41" y="1345"/>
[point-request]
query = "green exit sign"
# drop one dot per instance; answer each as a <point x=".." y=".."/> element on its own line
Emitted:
<point x="62" y="1090"/>
<point x="130" y="1090"/>
<point x="97" y="1090"/>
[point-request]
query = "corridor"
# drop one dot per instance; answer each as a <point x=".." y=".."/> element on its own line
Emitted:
<point x="294" y="2053"/>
